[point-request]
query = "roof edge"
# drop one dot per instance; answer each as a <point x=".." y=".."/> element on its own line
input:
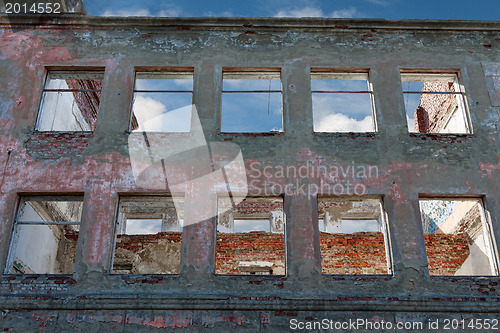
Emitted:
<point x="83" y="21"/>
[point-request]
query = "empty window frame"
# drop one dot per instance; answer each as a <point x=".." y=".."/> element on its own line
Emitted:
<point x="251" y="101"/>
<point x="70" y="101"/>
<point x="250" y="236"/>
<point x="342" y="101"/>
<point x="353" y="236"/>
<point x="162" y="101"/>
<point x="457" y="237"/>
<point x="434" y="103"/>
<point x="148" y="235"/>
<point x="45" y="235"/>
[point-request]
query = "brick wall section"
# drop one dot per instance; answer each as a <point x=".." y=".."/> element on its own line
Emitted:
<point x="255" y="245"/>
<point x="433" y="109"/>
<point x="34" y="283"/>
<point x="446" y="252"/>
<point x="53" y="145"/>
<point x="136" y="243"/>
<point x="364" y="253"/>
<point x="443" y="138"/>
<point x="357" y="253"/>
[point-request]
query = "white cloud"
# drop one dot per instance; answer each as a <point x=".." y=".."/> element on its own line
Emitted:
<point x="303" y="12"/>
<point x="152" y="116"/>
<point x="316" y="12"/>
<point x="252" y="225"/>
<point x="338" y="122"/>
<point x="344" y="13"/>
<point x="125" y="12"/>
<point x="226" y="13"/>
<point x="379" y="2"/>
<point x="342" y="113"/>
<point x="172" y="12"/>
<point x="143" y="227"/>
<point x="146" y="108"/>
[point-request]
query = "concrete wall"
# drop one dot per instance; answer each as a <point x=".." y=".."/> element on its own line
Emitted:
<point x="99" y="166"/>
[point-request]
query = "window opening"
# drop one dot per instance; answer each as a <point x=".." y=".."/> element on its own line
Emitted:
<point x="251" y="102"/>
<point x="342" y="102"/>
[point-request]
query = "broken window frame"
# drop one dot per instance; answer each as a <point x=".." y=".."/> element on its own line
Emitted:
<point x="418" y="75"/>
<point x="348" y="74"/>
<point x="120" y="216"/>
<point x="23" y="200"/>
<point x="79" y="74"/>
<point x="250" y="74"/>
<point x="487" y="231"/>
<point x="384" y="222"/>
<point x="170" y="74"/>
<point x="258" y="197"/>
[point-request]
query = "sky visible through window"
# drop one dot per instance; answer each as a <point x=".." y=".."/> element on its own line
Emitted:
<point x="251" y="111"/>
<point x="143" y="227"/>
<point x="163" y="111"/>
<point x="342" y="111"/>
<point x="352" y="226"/>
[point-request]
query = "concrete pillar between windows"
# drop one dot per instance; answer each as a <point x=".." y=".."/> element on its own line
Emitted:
<point x="114" y="114"/>
<point x="297" y="102"/>
<point x="302" y="239"/>
<point x="407" y="240"/>
<point x="94" y="247"/>
<point x="206" y="85"/>
<point x="198" y="234"/>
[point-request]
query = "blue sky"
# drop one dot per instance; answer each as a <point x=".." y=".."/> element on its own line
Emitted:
<point x="387" y="9"/>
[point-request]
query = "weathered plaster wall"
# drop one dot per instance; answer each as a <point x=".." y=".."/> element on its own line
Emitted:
<point x="99" y="166"/>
